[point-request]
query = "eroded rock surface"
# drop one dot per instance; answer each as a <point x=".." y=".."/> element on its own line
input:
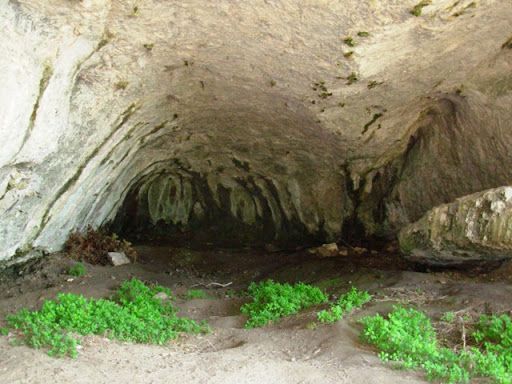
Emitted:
<point x="474" y="227"/>
<point x="261" y="116"/>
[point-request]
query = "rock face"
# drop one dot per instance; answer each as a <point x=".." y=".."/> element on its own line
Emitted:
<point x="474" y="227"/>
<point x="273" y="119"/>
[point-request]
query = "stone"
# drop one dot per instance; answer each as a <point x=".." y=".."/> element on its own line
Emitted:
<point x="477" y="227"/>
<point x="359" y="250"/>
<point x="162" y="296"/>
<point x="118" y="258"/>
<point x="325" y="250"/>
<point x="343" y="252"/>
<point x="392" y="248"/>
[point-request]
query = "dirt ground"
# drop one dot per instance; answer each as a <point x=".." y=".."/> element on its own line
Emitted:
<point x="291" y="351"/>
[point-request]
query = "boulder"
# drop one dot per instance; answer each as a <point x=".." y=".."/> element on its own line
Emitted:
<point x="476" y="227"/>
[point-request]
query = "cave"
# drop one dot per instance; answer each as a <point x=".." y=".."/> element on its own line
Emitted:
<point x="325" y="130"/>
<point x="264" y="133"/>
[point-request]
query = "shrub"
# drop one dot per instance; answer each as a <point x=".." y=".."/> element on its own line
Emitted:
<point x="345" y="304"/>
<point x="93" y="246"/>
<point x="407" y="337"/>
<point x="133" y="314"/>
<point x="271" y="301"/>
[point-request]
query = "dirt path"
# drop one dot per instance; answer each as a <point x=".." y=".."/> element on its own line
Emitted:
<point x="291" y="351"/>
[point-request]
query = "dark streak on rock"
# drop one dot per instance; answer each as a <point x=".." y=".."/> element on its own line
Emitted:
<point x="507" y="44"/>
<point x="375" y="117"/>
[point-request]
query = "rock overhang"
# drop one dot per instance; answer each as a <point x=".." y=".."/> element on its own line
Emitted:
<point x="103" y="96"/>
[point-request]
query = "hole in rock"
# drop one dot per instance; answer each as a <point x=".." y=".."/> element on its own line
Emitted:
<point x="182" y="207"/>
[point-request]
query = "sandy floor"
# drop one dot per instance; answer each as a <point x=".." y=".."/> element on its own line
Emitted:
<point x="287" y="352"/>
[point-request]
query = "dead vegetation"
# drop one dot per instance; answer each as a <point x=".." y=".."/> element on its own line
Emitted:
<point x="93" y="246"/>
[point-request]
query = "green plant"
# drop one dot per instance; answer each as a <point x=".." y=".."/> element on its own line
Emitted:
<point x="352" y="78"/>
<point x="322" y="89"/>
<point x="121" y="85"/>
<point x="354" y="298"/>
<point x="408" y="337"/>
<point x="448" y="317"/>
<point x="329" y="283"/>
<point x="363" y="34"/>
<point x="271" y="301"/>
<point x="230" y="293"/>
<point x="78" y="270"/>
<point x="349" y="41"/>
<point x="311" y="326"/>
<point x="418" y="8"/>
<point x="133" y="314"/>
<point x="195" y="294"/>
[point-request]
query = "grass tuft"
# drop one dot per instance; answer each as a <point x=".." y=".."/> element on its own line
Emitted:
<point x="195" y="294"/>
<point x="77" y="270"/>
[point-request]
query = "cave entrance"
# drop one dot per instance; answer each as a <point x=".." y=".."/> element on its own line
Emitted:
<point x="183" y="206"/>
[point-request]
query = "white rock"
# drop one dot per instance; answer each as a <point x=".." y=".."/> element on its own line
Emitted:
<point x="118" y="258"/>
<point x="475" y="227"/>
<point x="325" y="250"/>
<point x="161" y="296"/>
<point x="359" y="250"/>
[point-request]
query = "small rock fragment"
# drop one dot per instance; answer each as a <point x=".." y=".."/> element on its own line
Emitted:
<point x="162" y="296"/>
<point x="118" y="258"/>
<point x="393" y="247"/>
<point x="359" y="250"/>
<point x="325" y="250"/>
<point x="271" y="248"/>
<point x="343" y="252"/>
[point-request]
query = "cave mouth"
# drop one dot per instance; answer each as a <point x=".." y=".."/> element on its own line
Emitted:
<point x="268" y="131"/>
<point x="180" y="207"/>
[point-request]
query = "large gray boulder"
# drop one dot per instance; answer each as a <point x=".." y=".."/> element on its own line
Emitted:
<point x="476" y="227"/>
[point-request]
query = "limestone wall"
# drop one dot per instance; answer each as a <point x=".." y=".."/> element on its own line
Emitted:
<point x="268" y="100"/>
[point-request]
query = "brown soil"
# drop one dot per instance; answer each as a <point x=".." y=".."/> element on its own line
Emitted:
<point x="290" y="351"/>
